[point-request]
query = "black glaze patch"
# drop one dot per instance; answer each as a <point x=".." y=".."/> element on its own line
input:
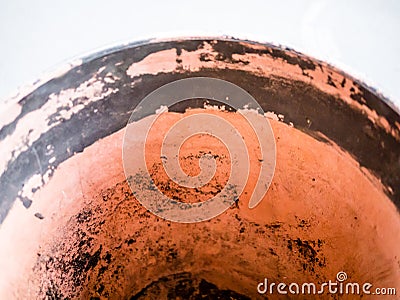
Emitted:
<point x="310" y="110"/>
<point x="227" y="50"/>
<point x="80" y="74"/>
<point x="88" y="256"/>
<point x="39" y="216"/>
<point x="185" y="286"/>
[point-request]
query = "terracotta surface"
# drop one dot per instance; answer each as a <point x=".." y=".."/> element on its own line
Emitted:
<point x="102" y="242"/>
<point x="71" y="228"/>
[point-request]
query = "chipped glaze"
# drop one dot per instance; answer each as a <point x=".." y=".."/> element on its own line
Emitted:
<point x="61" y="176"/>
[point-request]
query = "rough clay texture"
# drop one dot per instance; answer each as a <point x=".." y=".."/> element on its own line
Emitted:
<point x="322" y="214"/>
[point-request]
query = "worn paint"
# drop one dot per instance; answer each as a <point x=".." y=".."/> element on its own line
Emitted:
<point x="324" y="77"/>
<point x="77" y="120"/>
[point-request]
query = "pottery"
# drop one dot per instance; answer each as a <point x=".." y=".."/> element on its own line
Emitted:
<point x="71" y="227"/>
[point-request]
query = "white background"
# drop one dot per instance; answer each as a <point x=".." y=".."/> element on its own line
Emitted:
<point x="361" y="37"/>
